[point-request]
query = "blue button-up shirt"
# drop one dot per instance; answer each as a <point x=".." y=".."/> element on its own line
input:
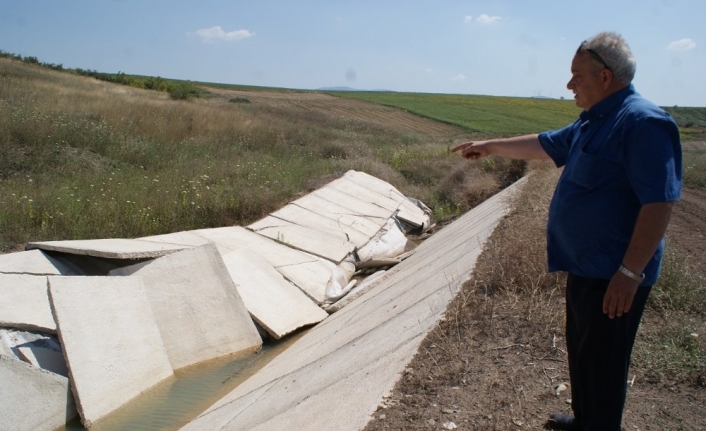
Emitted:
<point x="621" y="154"/>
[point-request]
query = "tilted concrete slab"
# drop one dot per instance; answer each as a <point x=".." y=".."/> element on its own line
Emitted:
<point x="311" y="274"/>
<point x="368" y="225"/>
<point x="335" y="375"/>
<point x="117" y="248"/>
<point x="186" y="238"/>
<point x="407" y="210"/>
<point x="274" y="303"/>
<point x="319" y="243"/>
<point x="347" y="186"/>
<point x="34" y="262"/>
<point x="196" y="305"/>
<point x="353" y="203"/>
<point x="24" y="303"/>
<point x="304" y="217"/>
<point x="110" y="340"/>
<point x="32" y="399"/>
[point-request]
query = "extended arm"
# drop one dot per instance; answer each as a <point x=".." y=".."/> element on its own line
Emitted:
<point x="520" y="147"/>
<point x="649" y="229"/>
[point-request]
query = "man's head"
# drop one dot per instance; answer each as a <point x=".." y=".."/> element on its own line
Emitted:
<point x="602" y="65"/>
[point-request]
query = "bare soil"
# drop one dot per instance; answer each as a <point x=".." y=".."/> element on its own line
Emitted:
<point x="497" y="363"/>
<point x="345" y="108"/>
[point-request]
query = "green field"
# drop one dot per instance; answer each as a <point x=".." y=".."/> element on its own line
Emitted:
<point x="499" y="116"/>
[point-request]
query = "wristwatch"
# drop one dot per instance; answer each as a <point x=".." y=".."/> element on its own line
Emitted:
<point x="631" y="275"/>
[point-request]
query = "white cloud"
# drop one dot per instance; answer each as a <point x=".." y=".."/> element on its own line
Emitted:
<point x="682" y="45"/>
<point x="467" y="18"/>
<point x="216" y="33"/>
<point x="459" y="77"/>
<point x="487" y="19"/>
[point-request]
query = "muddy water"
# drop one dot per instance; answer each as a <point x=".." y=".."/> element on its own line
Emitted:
<point x="177" y="400"/>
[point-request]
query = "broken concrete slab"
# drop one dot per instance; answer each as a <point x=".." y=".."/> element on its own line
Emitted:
<point x="196" y="306"/>
<point x="347" y="186"/>
<point x="24" y="303"/>
<point x="274" y="303"/>
<point x="357" y="353"/>
<point x="389" y="243"/>
<point x="33" y="399"/>
<point x="408" y="211"/>
<point x="352" y="203"/>
<point x="304" y="217"/>
<point x="361" y="288"/>
<point x="110" y="340"/>
<point x="329" y="245"/>
<point x="312" y="274"/>
<point x="35" y="262"/>
<point x="117" y="248"/>
<point x="186" y="238"/>
<point x="368" y="225"/>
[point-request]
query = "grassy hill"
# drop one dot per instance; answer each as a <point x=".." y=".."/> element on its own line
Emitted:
<point x="82" y="157"/>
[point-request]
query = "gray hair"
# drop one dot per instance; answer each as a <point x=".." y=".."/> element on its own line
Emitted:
<point x="613" y="52"/>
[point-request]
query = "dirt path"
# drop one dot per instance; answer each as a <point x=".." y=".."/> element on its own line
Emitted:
<point x="500" y="366"/>
<point x="687" y="229"/>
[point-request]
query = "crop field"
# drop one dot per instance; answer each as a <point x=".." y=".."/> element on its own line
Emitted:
<point x="344" y="108"/>
<point x="506" y="116"/>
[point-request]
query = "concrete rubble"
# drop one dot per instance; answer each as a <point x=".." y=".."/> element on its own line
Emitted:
<point x="203" y="294"/>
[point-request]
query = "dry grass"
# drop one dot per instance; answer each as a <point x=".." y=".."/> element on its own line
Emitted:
<point x="81" y="158"/>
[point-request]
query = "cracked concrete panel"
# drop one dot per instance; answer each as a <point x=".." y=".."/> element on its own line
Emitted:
<point x="311" y="274"/>
<point x="316" y="242"/>
<point x="116" y="248"/>
<point x="361" y="192"/>
<point x="110" y="339"/>
<point x="304" y="217"/>
<point x="186" y="238"/>
<point x="33" y="399"/>
<point x="196" y="305"/>
<point x="233" y="238"/>
<point x="354" y="204"/>
<point x="407" y="210"/>
<point x="275" y="304"/>
<point x="24" y="303"/>
<point x="34" y="262"/>
<point x="369" y="226"/>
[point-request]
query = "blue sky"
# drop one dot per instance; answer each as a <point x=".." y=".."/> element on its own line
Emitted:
<point x="509" y="48"/>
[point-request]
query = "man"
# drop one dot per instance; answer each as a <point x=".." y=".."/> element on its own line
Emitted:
<point x="607" y="219"/>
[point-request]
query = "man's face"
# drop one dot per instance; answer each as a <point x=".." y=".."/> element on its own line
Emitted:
<point x="587" y="81"/>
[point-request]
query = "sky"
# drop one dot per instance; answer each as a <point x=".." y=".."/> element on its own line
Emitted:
<point x="517" y="48"/>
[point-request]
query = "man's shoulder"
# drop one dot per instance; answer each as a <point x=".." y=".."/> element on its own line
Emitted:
<point x="635" y="107"/>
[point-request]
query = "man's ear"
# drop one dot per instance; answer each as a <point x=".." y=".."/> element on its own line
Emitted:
<point x="606" y="78"/>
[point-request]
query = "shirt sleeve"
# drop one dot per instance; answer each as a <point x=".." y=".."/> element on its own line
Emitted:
<point x="653" y="159"/>
<point x="556" y="143"/>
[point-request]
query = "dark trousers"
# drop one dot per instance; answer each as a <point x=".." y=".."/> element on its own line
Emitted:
<point x="599" y="351"/>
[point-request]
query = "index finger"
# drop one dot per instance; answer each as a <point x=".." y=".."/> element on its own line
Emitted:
<point x="461" y="146"/>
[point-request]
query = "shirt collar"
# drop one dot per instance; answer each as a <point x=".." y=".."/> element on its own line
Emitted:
<point x="600" y="109"/>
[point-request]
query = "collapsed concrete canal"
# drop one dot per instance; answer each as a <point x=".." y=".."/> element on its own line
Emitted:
<point x="210" y="296"/>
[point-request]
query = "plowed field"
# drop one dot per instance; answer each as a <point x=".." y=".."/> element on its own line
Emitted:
<point x="346" y="108"/>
